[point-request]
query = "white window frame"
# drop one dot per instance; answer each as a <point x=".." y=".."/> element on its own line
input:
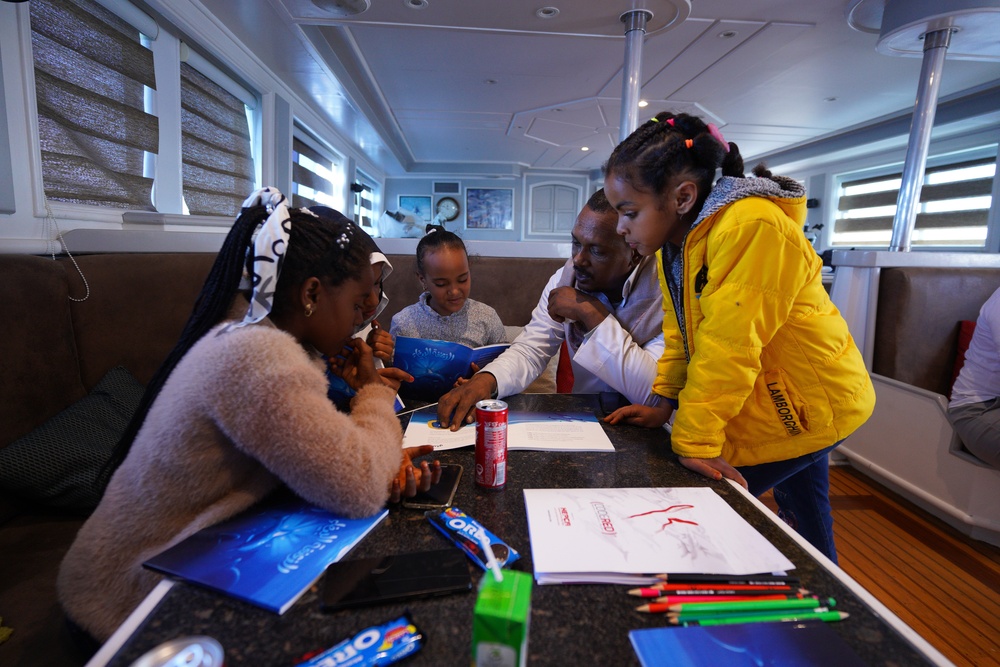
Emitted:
<point x="339" y="160"/>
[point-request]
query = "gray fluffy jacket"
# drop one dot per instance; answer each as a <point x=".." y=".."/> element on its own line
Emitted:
<point x="245" y="410"/>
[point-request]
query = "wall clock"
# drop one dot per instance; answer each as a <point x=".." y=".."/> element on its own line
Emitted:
<point x="448" y="208"/>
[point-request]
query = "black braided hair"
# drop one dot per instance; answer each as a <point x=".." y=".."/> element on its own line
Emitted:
<point x="435" y="238"/>
<point x="312" y="252"/>
<point x="657" y="151"/>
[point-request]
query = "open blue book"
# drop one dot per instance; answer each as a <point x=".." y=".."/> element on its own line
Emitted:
<point x="268" y="555"/>
<point x="436" y="364"/>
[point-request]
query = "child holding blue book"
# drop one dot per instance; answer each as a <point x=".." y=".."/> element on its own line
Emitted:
<point x="444" y="311"/>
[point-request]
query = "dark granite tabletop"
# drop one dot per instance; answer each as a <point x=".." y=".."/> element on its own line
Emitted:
<point x="570" y="624"/>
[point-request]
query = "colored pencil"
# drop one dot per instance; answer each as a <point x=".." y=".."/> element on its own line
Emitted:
<point x="764" y="578"/>
<point x="743" y="592"/>
<point x="676" y="599"/>
<point x="749" y="606"/>
<point x="677" y="619"/>
<point x="736" y="587"/>
<point x="768" y="618"/>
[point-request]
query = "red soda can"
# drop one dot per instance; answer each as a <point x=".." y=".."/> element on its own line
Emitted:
<point x="491" y="444"/>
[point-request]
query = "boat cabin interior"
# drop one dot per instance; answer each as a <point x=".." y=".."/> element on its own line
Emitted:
<point x="131" y="131"/>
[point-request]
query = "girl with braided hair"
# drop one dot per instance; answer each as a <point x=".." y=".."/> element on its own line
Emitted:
<point x="240" y="408"/>
<point x="758" y="363"/>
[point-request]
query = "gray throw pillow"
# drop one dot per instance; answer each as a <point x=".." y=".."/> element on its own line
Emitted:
<point x="57" y="464"/>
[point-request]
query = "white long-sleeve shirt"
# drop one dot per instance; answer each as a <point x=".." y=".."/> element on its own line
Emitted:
<point x="608" y="359"/>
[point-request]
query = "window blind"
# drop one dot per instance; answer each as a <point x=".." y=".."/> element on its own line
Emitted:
<point x="218" y="168"/>
<point x="364" y="202"/>
<point x="311" y="176"/>
<point x="954" y="206"/>
<point x="90" y="77"/>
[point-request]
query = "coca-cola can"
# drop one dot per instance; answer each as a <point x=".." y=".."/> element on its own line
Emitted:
<point x="200" y="651"/>
<point x="491" y="444"/>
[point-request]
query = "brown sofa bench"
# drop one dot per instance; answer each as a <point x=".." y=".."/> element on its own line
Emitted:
<point x="57" y="349"/>
<point x="908" y="443"/>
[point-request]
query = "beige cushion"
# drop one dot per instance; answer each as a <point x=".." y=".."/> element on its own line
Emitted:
<point x="544" y="383"/>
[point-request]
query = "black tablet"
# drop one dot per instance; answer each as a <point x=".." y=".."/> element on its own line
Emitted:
<point x="406" y="576"/>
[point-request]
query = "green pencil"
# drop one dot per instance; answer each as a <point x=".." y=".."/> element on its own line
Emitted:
<point x="750" y="606"/>
<point x="791" y="616"/>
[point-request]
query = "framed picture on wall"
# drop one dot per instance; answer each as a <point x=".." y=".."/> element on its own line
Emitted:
<point x="419" y="204"/>
<point x="489" y="208"/>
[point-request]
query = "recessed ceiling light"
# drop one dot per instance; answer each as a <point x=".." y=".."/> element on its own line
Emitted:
<point x="547" y="12"/>
<point x="728" y="34"/>
<point x="490" y="82"/>
<point x="415" y="4"/>
<point x="829" y="99"/>
<point x="343" y="8"/>
<point x="584" y="148"/>
<point x="643" y="103"/>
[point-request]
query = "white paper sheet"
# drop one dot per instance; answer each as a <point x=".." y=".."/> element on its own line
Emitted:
<point x="537" y="431"/>
<point x="598" y="535"/>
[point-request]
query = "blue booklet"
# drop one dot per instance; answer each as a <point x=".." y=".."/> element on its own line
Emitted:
<point x="809" y="644"/>
<point x="268" y="555"/>
<point x="436" y="364"/>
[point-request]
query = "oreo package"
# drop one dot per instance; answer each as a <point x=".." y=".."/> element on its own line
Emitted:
<point x="463" y="531"/>
<point x="372" y="647"/>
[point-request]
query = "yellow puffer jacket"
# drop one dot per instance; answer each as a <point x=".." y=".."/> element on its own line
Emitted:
<point x="763" y="365"/>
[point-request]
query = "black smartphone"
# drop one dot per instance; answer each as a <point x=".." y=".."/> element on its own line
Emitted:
<point x="440" y="495"/>
<point x="367" y="581"/>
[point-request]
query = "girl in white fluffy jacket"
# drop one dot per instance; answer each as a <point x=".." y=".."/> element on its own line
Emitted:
<point x="240" y="407"/>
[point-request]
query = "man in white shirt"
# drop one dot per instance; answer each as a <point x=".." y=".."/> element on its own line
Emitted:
<point x="605" y="303"/>
<point x="975" y="399"/>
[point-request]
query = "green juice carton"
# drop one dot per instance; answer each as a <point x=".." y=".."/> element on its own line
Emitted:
<point x="500" y="620"/>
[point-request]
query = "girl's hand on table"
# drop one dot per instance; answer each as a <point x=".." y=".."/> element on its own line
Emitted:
<point x="716" y="469"/>
<point x="642" y="415"/>
<point x="410" y="479"/>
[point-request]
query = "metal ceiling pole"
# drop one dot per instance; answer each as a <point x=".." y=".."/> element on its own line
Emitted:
<point x="935" y="48"/>
<point x="635" y="31"/>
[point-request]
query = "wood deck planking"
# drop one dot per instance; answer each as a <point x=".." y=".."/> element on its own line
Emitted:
<point x="943" y="584"/>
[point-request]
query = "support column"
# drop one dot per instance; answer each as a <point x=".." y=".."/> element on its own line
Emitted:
<point x="635" y="30"/>
<point x="935" y="48"/>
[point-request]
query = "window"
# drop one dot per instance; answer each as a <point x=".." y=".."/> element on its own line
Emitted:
<point x="365" y="193"/>
<point x="317" y="172"/>
<point x="554" y="208"/>
<point x="111" y="137"/>
<point x="218" y="171"/>
<point x="953" y="211"/>
<point x="91" y="76"/>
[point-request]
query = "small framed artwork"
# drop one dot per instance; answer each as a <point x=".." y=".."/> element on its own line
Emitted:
<point x="489" y="208"/>
<point x="419" y="204"/>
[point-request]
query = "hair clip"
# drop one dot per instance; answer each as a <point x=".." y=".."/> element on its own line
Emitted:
<point x="670" y="122"/>
<point x="655" y="119"/>
<point x="689" y="142"/>
<point x="714" y="131"/>
<point x="342" y="241"/>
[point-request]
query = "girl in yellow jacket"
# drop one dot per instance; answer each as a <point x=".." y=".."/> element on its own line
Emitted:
<point x="759" y="365"/>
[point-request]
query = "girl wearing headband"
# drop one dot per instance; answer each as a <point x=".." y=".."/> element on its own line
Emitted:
<point x="239" y="408"/>
<point x="758" y="364"/>
<point x="444" y="310"/>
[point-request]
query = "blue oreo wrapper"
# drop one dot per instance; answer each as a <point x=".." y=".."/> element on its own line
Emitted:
<point x="463" y="531"/>
<point x="374" y="646"/>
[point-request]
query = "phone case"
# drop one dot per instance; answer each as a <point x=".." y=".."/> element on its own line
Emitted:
<point x="442" y="494"/>
<point x="406" y="576"/>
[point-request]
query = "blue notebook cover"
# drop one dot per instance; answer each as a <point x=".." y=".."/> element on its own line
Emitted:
<point x="268" y="555"/>
<point x="436" y="364"/>
<point x="809" y="644"/>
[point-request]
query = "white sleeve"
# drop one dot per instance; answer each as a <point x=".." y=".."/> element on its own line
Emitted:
<point x="610" y="353"/>
<point x="530" y="352"/>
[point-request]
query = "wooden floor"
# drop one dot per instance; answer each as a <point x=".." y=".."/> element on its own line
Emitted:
<point x="941" y="583"/>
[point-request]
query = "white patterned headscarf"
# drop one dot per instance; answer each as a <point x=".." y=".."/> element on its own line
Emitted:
<point x="268" y="253"/>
